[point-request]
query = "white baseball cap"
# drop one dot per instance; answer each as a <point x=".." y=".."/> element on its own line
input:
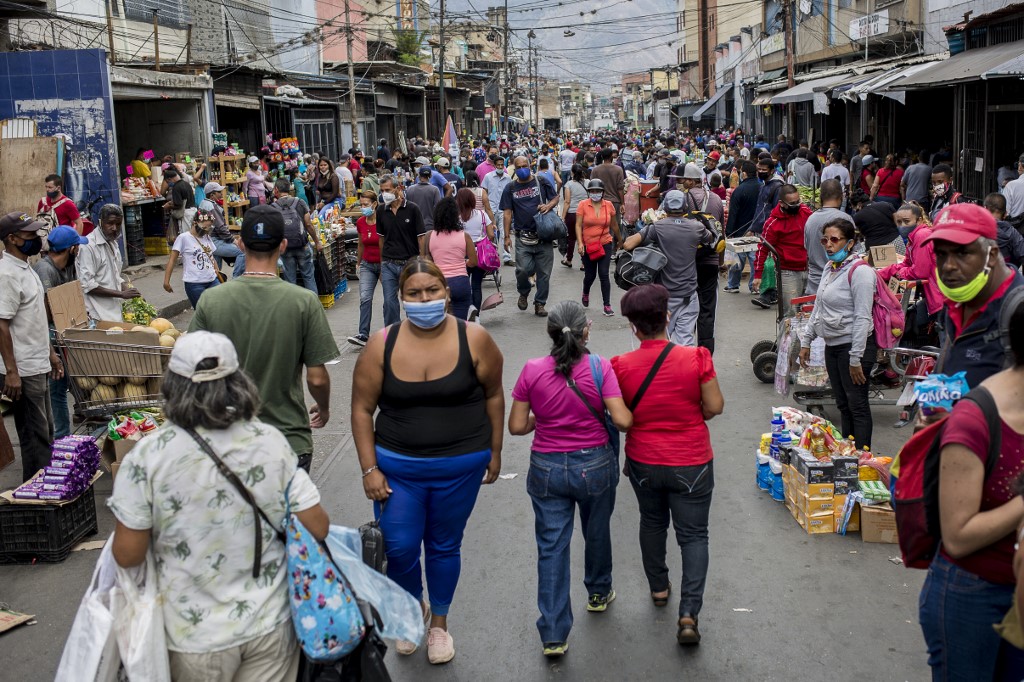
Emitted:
<point x="211" y="187"/>
<point x="193" y="348"/>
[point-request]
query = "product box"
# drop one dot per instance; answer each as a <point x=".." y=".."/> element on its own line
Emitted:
<point x="816" y="491"/>
<point x="878" y="524"/>
<point x="854" y="524"/>
<point x="810" y="469"/>
<point x="845" y="466"/>
<point x="810" y="506"/>
<point x="845" y="486"/>
<point x="883" y="256"/>
<point x="817" y="525"/>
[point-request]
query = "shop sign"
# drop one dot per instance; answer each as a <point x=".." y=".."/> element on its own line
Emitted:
<point x="773" y="43"/>
<point x="871" y="25"/>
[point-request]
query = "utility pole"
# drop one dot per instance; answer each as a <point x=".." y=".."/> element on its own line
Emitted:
<point x="503" y="111"/>
<point x="188" y="45"/>
<point x="787" y="16"/>
<point x="352" y="114"/>
<point x="444" y="112"/>
<point x="531" y="69"/>
<point x="156" y="43"/>
<point x="110" y="33"/>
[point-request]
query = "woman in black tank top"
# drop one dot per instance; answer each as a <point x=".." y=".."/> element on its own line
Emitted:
<point x="434" y="383"/>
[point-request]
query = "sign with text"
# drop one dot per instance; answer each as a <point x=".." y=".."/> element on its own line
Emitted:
<point x="871" y="25"/>
<point x="883" y="256"/>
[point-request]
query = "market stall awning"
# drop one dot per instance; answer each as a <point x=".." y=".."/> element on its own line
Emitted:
<point x="236" y="101"/>
<point x="697" y="115"/>
<point x="762" y="100"/>
<point x="884" y="84"/>
<point x="804" y="92"/>
<point x="1014" y="67"/>
<point x="771" y="75"/>
<point x="848" y="81"/>
<point x="985" y="62"/>
<point x="687" y="110"/>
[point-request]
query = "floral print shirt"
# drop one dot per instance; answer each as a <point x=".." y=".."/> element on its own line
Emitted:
<point x="202" y="530"/>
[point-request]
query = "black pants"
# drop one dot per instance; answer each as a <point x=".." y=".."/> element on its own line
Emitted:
<point x="306" y="461"/>
<point x="598" y="268"/>
<point x="707" y="293"/>
<point x="684" y="494"/>
<point x="852" y="399"/>
<point x="33" y="419"/>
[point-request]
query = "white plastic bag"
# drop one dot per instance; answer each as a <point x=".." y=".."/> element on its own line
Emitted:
<point x="139" y="625"/>
<point x="90" y="653"/>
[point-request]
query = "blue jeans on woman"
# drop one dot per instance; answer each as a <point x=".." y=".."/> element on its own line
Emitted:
<point x="369" y="274"/>
<point x="557" y="483"/>
<point x="430" y="503"/>
<point x="957" y="610"/>
<point x="193" y="290"/>
<point x="462" y="296"/>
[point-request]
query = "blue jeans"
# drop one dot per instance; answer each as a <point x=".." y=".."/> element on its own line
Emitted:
<point x="557" y="483"/>
<point x="59" y="406"/>
<point x="301" y="261"/>
<point x="476" y="284"/>
<point x="193" y="290"/>
<point x="430" y="503"/>
<point x="462" y="296"/>
<point x="535" y="259"/>
<point x="228" y="249"/>
<point x="737" y="270"/>
<point x="369" y="275"/>
<point x="684" y="494"/>
<point x="389" y="272"/>
<point x="957" y="610"/>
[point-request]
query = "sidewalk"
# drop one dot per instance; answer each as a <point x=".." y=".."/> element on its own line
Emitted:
<point x="148" y="278"/>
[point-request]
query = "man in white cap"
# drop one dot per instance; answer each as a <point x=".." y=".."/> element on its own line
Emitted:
<point x="436" y="179"/>
<point x="221" y="234"/>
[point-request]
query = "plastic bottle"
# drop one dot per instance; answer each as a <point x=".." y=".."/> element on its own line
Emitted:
<point x="818" y="447"/>
<point x="785" y="440"/>
<point x="778" y="423"/>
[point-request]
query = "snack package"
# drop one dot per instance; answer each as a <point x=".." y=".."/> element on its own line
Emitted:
<point x="937" y="393"/>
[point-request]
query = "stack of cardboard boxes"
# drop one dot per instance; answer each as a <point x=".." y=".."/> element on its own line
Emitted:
<point x="816" y="491"/>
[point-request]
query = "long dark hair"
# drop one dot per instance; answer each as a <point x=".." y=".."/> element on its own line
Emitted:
<point x="446" y="216"/>
<point x="577" y="172"/>
<point x="472" y="179"/>
<point x="567" y="322"/>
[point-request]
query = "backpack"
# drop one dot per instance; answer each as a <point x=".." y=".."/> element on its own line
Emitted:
<point x="713" y="236"/>
<point x="886" y="311"/>
<point x="294" y="229"/>
<point x="641" y="266"/>
<point x="48" y="214"/>
<point x="914" y="482"/>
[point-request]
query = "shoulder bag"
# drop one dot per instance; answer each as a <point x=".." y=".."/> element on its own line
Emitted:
<point x="603" y="417"/>
<point x="550" y="226"/>
<point x="213" y="261"/>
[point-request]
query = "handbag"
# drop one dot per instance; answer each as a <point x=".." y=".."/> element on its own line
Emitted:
<point x="550" y="226"/>
<point x="322" y="275"/>
<point x="139" y="625"/>
<point x="595" y="251"/>
<point x="372" y="538"/>
<point x="487" y="256"/>
<point x="604" y="418"/>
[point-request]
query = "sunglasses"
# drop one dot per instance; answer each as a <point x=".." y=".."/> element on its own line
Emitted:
<point x="825" y="241"/>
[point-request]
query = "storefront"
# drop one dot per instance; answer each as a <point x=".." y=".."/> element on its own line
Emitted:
<point x="400" y="111"/>
<point x="313" y="122"/>
<point x="238" y="107"/>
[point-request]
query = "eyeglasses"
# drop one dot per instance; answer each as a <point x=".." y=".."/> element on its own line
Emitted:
<point x="825" y="241"/>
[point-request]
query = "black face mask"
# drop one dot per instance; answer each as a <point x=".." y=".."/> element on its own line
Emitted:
<point x="792" y="210"/>
<point x="763" y="175"/>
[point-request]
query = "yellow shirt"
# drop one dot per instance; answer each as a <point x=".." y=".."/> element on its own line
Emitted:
<point x="140" y="169"/>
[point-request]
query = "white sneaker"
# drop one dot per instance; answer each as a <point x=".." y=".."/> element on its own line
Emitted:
<point x="440" y="646"/>
<point x="405" y="648"/>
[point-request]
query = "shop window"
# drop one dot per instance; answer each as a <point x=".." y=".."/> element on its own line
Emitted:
<point x="170" y="13"/>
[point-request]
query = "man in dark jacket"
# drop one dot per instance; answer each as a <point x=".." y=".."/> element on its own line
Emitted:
<point x="742" y="205"/>
<point x="784" y="231"/>
<point x="1011" y="243"/>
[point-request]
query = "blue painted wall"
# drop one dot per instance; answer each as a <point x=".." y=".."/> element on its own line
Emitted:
<point x="67" y="92"/>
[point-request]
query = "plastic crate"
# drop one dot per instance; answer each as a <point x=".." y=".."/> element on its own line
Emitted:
<point x="45" y="532"/>
<point x="327" y="301"/>
<point x="157" y="246"/>
<point x="341" y="289"/>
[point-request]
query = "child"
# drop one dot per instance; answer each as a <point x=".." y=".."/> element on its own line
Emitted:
<point x="715" y="180"/>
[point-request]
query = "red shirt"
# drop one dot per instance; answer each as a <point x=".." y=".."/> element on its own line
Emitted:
<point x="67" y="212"/>
<point x="370" y="240"/>
<point x="668" y="425"/>
<point x="966" y="426"/>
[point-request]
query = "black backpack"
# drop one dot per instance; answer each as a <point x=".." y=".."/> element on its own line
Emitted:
<point x="294" y="229"/>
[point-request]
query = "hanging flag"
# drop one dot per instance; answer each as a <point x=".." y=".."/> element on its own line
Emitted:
<point x="450" y="141"/>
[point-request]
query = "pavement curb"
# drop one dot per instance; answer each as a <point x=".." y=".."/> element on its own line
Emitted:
<point x="174" y="309"/>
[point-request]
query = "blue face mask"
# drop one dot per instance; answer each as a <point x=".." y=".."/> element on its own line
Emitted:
<point x="523" y="173"/>
<point x="367" y="211"/>
<point x="426" y="314"/>
<point x="839" y="256"/>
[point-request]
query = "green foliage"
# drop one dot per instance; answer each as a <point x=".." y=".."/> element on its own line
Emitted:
<point x="408" y="43"/>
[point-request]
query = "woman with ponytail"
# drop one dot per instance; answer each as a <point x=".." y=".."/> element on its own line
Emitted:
<point x="562" y="399"/>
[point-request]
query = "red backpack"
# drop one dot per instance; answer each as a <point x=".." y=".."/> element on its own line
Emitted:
<point x="914" y="482"/>
<point x="886" y="311"/>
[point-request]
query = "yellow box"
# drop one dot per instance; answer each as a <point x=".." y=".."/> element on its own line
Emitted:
<point x="816" y="507"/>
<point x="156" y="246"/>
<point x="814" y="491"/>
<point x="817" y="525"/>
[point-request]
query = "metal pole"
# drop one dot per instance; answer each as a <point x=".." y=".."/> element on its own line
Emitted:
<point x="156" y="43"/>
<point x="110" y="32"/>
<point x="529" y="66"/>
<point x="444" y="112"/>
<point x="188" y="44"/>
<point x="503" y="112"/>
<point x="352" y="116"/>
<point x="788" y="13"/>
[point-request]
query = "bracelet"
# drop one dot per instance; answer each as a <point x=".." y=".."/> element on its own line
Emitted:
<point x="369" y="471"/>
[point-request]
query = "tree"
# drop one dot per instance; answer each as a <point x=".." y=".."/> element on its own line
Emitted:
<point x="408" y="43"/>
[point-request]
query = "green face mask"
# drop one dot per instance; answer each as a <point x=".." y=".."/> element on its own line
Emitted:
<point x="968" y="291"/>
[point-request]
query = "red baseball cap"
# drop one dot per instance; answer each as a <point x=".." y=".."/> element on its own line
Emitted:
<point x="714" y="155"/>
<point x="962" y="224"/>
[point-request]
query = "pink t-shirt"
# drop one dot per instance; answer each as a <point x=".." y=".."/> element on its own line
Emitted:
<point x="448" y="251"/>
<point x="564" y="423"/>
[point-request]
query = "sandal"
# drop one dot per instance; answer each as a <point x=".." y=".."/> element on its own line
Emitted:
<point x="662" y="601"/>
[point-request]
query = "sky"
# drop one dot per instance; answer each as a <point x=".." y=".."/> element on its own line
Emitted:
<point x="612" y="37"/>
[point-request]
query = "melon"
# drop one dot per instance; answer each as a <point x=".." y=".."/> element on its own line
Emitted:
<point x="138" y="381"/>
<point x="144" y="328"/>
<point x="173" y="333"/>
<point x="110" y="381"/>
<point x="116" y="330"/>
<point x="161" y="325"/>
<point x="86" y="383"/>
<point x="103" y="394"/>
<point x="133" y="392"/>
<point x="167" y="341"/>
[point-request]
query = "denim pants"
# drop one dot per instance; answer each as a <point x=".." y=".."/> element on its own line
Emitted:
<point x="593" y="269"/>
<point x="682" y="321"/>
<point x="736" y="271"/>
<point x="369" y="274"/>
<point x="228" y="249"/>
<point x="430" y="503"/>
<point x="193" y="290"/>
<point x="300" y="261"/>
<point x="59" y="407"/>
<point x="389" y="272"/>
<point x="462" y="296"/>
<point x="957" y="610"/>
<point x="557" y="483"/>
<point x="33" y="419"/>
<point x="684" y="494"/>
<point x="535" y="259"/>
<point x="499" y="234"/>
<point x="852" y="399"/>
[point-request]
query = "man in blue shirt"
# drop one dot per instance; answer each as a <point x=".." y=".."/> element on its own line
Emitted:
<point x="436" y="179"/>
<point x="524" y="198"/>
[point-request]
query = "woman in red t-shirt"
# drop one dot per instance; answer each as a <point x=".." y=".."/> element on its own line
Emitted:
<point x="368" y="255"/>
<point x="668" y="449"/>
<point x="597" y="234"/>
<point x="970" y="582"/>
<point x="886" y="186"/>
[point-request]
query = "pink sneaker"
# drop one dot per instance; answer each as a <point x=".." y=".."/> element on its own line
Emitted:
<point x="586" y="300"/>
<point x="405" y="648"/>
<point x="440" y="646"/>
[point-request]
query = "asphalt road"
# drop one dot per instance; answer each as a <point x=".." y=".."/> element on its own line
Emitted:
<point x="779" y="604"/>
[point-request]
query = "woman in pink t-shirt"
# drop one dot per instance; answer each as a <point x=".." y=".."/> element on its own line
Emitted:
<point x="452" y="250"/>
<point x="562" y="398"/>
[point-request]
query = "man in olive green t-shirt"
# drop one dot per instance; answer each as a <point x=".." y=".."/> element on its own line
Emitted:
<point x="277" y="328"/>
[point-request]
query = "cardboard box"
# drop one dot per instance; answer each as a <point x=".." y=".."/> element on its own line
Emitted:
<point x="810" y="506"/>
<point x="854" y="524"/>
<point x="8" y="495"/>
<point x="816" y="491"/>
<point x="810" y="469"/>
<point x="878" y="524"/>
<point x="883" y="256"/>
<point x="817" y="525"/>
<point x="845" y="486"/>
<point x="845" y="467"/>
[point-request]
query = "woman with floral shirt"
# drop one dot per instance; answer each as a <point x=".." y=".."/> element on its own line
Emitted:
<point x="221" y="623"/>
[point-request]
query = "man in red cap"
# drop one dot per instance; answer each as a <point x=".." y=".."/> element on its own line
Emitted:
<point x="710" y="168"/>
<point x="974" y="279"/>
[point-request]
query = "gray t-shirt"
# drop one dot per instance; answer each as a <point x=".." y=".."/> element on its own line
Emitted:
<point x="918" y="177"/>
<point x="678" y="238"/>
<point x="577" y="193"/>
<point x="817" y="259"/>
<point x="425" y="197"/>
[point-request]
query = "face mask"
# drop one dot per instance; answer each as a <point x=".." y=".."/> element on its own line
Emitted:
<point x="938" y="189"/>
<point x="387" y="198"/>
<point x="596" y="196"/>
<point x="203" y="230"/>
<point x="367" y="211"/>
<point x="31" y="246"/>
<point x="763" y="175"/>
<point x="499" y="171"/>
<point x="425" y="315"/>
<point x="791" y="210"/>
<point x="523" y="173"/>
<point x="839" y="256"/>
<point x="53" y="195"/>
<point x="968" y="291"/>
<point x="220" y="202"/>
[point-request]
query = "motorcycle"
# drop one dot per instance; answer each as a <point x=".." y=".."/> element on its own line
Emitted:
<point x="350" y="262"/>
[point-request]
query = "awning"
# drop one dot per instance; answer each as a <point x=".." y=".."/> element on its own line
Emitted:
<point x="687" y="110"/>
<point x="880" y="81"/>
<point x="1014" y="67"/>
<point x="771" y="75"/>
<point x="972" y="65"/>
<point x="849" y="81"/>
<point x="804" y="92"/>
<point x="236" y="101"/>
<point x="762" y="100"/>
<point x="697" y="115"/>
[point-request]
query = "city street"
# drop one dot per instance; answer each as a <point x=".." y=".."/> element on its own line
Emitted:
<point x="779" y="605"/>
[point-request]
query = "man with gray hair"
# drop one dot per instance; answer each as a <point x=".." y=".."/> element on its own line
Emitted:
<point x="678" y="238"/>
<point x="99" y="266"/>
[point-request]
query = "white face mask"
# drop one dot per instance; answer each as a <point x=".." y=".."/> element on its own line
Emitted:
<point x="596" y="196"/>
<point x="387" y="197"/>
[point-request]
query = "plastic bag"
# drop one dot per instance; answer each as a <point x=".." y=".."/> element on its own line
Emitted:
<point x="768" y="275"/>
<point x="90" y="653"/>
<point x="322" y="275"/>
<point x="730" y="259"/>
<point x="400" y="614"/>
<point x="139" y="625"/>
